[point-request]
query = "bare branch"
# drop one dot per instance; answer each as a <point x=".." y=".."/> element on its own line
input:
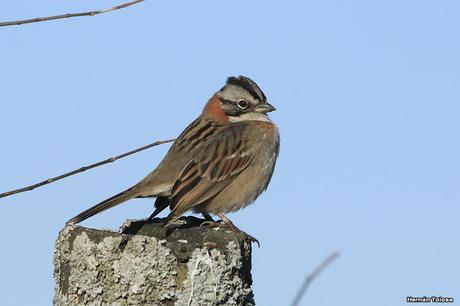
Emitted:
<point x="311" y="277"/>
<point x="70" y="15"/>
<point x="106" y="161"/>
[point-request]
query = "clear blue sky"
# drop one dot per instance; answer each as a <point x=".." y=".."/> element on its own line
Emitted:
<point x="368" y="104"/>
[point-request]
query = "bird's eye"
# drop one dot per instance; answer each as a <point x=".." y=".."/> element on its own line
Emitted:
<point x="243" y="104"/>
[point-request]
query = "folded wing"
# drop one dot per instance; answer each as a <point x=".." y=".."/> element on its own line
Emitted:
<point x="221" y="160"/>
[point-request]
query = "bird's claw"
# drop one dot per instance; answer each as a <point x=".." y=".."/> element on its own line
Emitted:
<point x="217" y="223"/>
<point x="251" y="238"/>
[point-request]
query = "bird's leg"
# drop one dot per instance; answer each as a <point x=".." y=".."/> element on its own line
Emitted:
<point x="207" y="217"/>
<point x="227" y="223"/>
<point x="209" y="220"/>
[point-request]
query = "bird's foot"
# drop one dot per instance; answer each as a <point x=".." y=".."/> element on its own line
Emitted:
<point x="183" y="222"/>
<point x="218" y="223"/>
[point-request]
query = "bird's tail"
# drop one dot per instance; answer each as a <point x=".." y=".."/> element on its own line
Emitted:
<point x="106" y="204"/>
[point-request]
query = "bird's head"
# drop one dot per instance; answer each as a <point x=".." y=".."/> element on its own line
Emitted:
<point x="241" y="99"/>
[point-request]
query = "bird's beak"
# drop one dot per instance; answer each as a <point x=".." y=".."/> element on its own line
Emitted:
<point x="264" y="108"/>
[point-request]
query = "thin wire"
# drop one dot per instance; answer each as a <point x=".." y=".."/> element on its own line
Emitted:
<point x="69" y="15"/>
<point x="73" y="172"/>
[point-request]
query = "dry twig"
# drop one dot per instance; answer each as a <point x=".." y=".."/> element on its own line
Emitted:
<point x="311" y="277"/>
<point x="70" y="15"/>
<point x="106" y="161"/>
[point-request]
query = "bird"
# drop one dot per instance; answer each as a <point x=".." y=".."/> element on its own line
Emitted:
<point x="220" y="163"/>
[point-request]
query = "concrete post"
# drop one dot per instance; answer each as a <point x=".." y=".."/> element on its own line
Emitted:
<point x="190" y="266"/>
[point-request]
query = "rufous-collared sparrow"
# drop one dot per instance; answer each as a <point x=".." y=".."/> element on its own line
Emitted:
<point x="220" y="163"/>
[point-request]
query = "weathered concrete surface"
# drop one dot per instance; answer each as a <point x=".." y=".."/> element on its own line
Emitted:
<point x="192" y="266"/>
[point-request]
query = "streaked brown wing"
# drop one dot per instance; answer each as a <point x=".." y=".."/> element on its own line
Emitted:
<point x="216" y="165"/>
